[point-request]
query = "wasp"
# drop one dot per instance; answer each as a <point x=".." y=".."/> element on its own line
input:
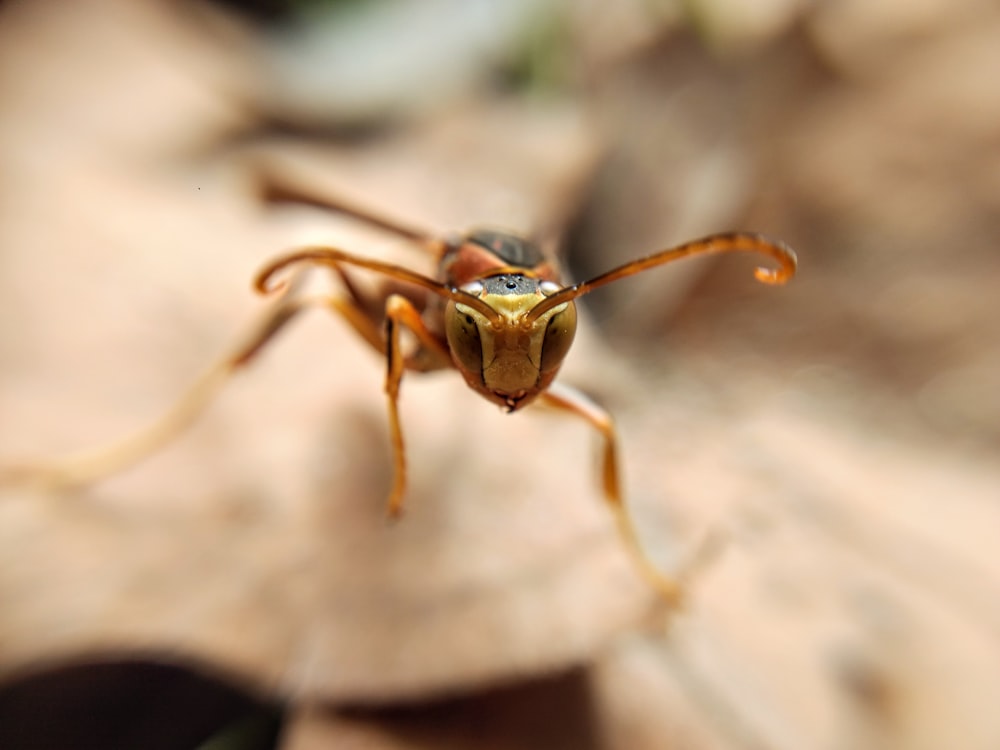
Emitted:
<point x="497" y="312"/>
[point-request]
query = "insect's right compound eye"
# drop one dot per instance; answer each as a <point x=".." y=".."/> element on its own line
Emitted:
<point x="462" y="331"/>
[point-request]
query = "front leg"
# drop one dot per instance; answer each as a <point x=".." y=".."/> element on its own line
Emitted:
<point x="568" y="399"/>
<point x="399" y="311"/>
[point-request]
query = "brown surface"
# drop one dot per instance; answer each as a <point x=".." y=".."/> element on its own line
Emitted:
<point x="259" y="541"/>
<point x="841" y="432"/>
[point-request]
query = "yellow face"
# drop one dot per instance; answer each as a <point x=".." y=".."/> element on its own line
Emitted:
<point x="511" y="360"/>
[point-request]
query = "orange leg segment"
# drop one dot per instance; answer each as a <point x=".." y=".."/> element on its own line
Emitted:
<point x="568" y="399"/>
<point x="89" y="467"/>
<point x="399" y="312"/>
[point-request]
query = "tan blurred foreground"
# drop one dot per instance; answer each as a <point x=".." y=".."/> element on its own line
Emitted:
<point x="841" y="432"/>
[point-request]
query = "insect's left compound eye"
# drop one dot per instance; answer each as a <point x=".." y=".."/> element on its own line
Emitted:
<point x="462" y="331"/>
<point x="558" y="336"/>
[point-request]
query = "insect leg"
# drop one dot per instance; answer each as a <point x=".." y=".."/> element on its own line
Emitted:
<point x="88" y="467"/>
<point x="279" y="186"/>
<point x="356" y="314"/>
<point x="568" y="399"/>
<point x="365" y="312"/>
<point x="399" y="311"/>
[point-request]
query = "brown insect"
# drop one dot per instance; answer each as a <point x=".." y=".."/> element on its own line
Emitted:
<point x="497" y="312"/>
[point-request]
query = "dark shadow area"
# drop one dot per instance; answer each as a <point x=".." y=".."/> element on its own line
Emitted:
<point x="132" y="704"/>
<point x="555" y="712"/>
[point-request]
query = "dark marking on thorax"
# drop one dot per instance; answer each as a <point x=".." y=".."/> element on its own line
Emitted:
<point x="510" y="249"/>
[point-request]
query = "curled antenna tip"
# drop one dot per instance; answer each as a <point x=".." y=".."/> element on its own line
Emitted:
<point x="770" y="275"/>
<point x="264" y="285"/>
<point x="789" y="262"/>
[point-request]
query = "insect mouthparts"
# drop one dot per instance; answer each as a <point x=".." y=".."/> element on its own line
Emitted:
<point x="512" y="401"/>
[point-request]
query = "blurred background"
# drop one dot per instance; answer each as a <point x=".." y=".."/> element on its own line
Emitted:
<point x="839" y="434"/>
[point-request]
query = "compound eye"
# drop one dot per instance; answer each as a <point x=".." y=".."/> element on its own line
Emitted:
<point x="558" y="336"/>
<point x="462" y="331"/>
